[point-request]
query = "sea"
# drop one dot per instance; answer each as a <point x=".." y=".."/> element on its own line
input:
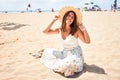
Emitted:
<point x="22" y="11"/>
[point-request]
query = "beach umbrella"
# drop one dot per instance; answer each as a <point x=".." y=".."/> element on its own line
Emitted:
<point x="96" y="6"/>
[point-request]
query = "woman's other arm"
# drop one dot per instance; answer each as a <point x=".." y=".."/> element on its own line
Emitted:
<point x="83" y="34"/>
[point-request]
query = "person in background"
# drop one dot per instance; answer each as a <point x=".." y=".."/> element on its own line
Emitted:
<point x="28" y="7"/>
<point x="52" y="10"/>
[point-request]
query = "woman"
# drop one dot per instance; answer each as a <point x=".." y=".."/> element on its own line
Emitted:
<point x="70" y="60"/>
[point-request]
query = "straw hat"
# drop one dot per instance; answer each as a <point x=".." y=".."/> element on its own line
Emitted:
<point x="69" y="8"/>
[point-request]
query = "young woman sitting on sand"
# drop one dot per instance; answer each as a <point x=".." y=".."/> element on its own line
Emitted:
<point x="70" y="60"/>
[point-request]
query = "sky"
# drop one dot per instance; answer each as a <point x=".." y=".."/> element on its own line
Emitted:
<point x="6" y="5"/>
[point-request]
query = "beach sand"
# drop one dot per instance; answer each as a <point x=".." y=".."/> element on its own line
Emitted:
<point x="21" y="34"/>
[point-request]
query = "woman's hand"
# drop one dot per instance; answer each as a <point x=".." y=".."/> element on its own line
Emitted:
<point x="56" y="18"/>
<point x="82" y="27"/>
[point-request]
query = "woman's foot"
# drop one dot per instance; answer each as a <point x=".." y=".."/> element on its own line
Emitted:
<point x="37" y="54"/>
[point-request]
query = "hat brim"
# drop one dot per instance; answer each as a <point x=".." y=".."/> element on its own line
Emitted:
<point x="69" y="8"/>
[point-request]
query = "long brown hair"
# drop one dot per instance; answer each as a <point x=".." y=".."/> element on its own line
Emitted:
<point x="73" y="26"/>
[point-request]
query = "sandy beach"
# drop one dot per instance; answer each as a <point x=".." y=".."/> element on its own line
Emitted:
<point x="21" y="34"/>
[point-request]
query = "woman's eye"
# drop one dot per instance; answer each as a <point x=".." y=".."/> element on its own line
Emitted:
<point x="68" y="15"/>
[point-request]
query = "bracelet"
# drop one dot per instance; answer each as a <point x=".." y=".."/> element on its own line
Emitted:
<point x="82" y="29"/>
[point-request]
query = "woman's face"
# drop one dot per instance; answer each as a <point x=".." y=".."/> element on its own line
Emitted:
<point x="70" y="18"/>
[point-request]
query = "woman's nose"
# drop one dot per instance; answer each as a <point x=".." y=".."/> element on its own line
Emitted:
<point x="69" y="18"/>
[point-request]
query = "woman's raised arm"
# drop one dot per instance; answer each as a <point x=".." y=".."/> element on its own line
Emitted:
<point x="48" y="30"/>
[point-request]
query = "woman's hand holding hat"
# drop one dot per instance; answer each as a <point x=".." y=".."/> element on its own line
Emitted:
<point x="55" y="18"/>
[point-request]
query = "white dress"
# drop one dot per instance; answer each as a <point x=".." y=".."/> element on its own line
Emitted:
<point x="68" y="61"/>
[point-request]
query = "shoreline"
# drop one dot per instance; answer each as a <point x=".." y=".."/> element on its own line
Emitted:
<point x="23" y="11"/>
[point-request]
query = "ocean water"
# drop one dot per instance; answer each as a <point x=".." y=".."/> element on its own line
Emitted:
<point x="22" y="11"/>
